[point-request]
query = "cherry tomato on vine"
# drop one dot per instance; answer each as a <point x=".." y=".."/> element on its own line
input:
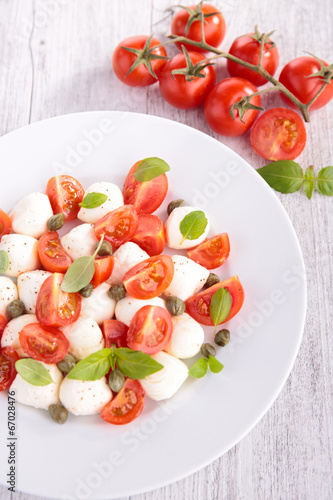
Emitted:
<point x="5" y="224"/>
<point x="43" y="343"/>
<point x="51" y="253"/>
<point x="8" y="358"/>
<point x="65" y="194"/>
<point x="278" y="134"/>
<point x="127" y="405"/>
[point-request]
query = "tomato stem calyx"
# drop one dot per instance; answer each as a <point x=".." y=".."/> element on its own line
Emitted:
<point x="192" y="71"/>
<point x="144" y="56"/>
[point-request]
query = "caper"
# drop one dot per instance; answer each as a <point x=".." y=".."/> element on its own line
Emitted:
<point x="117" y="292"/>
<point x="58" y="413"/>
<point x="87" y="291"/>
<point x="175" y="204"/>
<point x="15" y="308"/>
<point x="67" y="363"/>
<point x="212" y="280"/>
<point x="208" y="350"/>
<point x="116" y="380"/>
<point x="175" y="306"/>
<point x="222" y="337"/>
<point x="105" y="249"/>
<point x="56" y="222"/>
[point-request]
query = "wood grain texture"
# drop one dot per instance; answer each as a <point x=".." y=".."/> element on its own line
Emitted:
<point x="55" y="59"/>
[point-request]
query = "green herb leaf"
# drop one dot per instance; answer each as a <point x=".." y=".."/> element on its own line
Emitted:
<point x="283" y="176"/>
<point x="325" y="181"/>
<point x="214" y="365"/>
<point x="308" y="188"/>
<point x="309" y="174"/>
<point x="149" y="168"/>
<point x="79" y="274"/>
<point x="199" y="369"/>
<point x="4" y="261"/>
<point x="193" y="225"/>
<point x="93" y="367"/>
<point x="136" y="364"/>
<point x="93" y="200"/>
<point x="220" y="306"/>
<point x="33" y="372"/>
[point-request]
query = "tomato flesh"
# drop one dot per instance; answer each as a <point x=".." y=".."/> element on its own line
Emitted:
<point x="65" y="194"/>
<point x="150" y="235"/>
<point x="5" y="224"/>
<point x="126" y="406"/>
<point x="150" y="278"/>
<point x="212" y="253"/>
<point x="8" y="358"/>
<point x="45" y="344"/>
<point x="118" y="226"/>
<point x="150" y="330"/>
<point x="52" y="254"/>
<point x="103" y="270"/>
<point x="115" y="332"/>
<point x="3" y="324"/>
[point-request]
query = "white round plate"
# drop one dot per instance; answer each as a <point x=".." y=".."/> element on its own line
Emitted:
<point x="87" y="458"/>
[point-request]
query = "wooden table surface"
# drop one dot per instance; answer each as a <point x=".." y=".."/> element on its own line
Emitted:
<point x="55" y="59"/>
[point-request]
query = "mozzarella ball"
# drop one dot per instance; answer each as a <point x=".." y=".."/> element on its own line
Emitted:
<point x="115" y="200"/>
<point x="10" y="336"/>
<point x="83" y="397"/>
<point x="174" y="237"/>
<point x="187" y="337"/>
<point x="38" y="396"/>
<point x="189" y="277"/>
<point x="165" y="383"/>
<point x="98" y="306"/>
<point x="28" y="285"/>
<point x="30" y="215"/>
<point x="80" y="241"/>
<point x="126" y="257"/>
<point x="22" y="253"/>
<point x="8" y="293"/>
<point x="85" y="337"/>
<point x="127" y="307"/>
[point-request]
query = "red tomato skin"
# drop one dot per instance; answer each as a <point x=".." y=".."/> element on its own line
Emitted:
<point x="150" y="235"/>
<point x="115" y="332"/>
<point x="212" y="253"/>
<point x="214" y="28"/>
<point x="122" y="61"/>
<point x="248" y="49"/>
<point x="65" y="193"/>
<point x="52" y="255"/>
<point x="266" y="125"/>
<point x="118" y="226"/>
<point x="3" y="324"/>
<point x="146" y="324"/>
<point x="117" y="412"/>
<point x="180" y="93"/>
<point x="34" y="333"/>
<point x="8" y="358"/>
<point x="293" y="76"/>
<point x="145" y="197"/>
<point x="103" y="270"/>
<point x="203" y="299"/>
<point x="218" y="104"/>
<point x="150" y="278"/>
<point x="5" y="224"/>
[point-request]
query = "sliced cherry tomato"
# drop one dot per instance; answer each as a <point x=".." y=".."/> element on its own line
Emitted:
<point x="118" y="226"/>
<point x="43" y="343"/>
<point x="65" y="194"/>
<point x="214" y="27"/>
<point x="198" y="306"/>
<point x="150" y="235"/>
<point x="5" y="224"/>
<point x="127" y="405"/>
<point x="8" y="358"/>
<point x="150" y="330"/>
<point x="55" y="307"/>
<point x="147" y="196"/>
<point x="149" y="278"/>
<point x="3" y="323"/>
<point x="212" y="253"/>
<point x="115" y="332"/>
<point x="103" y="270"/>
<point x="51" y="253"/>
<point x="278" y="134"/>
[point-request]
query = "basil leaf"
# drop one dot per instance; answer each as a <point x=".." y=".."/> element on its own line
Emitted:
<point x="149" y="168"/>
<point x="193" y="225"/>
<point x="93" y="367"/>
<point x="325" y="181"/>
<point x="4" y="261"/>
<point x="220" y="306"/>
<point x="308" y="188"/>
<point x="214" y="365"/>
<point x="93" y="200"/>
<point x="79" y="274"/>
<point x="308" y="174"/>
<point x="199" y="369"/>
<point x="136" y="364"/>
<point x="283" y="176"/>
<point x="33" y="372"/>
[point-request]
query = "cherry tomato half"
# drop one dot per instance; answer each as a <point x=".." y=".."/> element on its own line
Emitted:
<point x="127" y="405"/>
<point x="65" y="194"/>
<point x="150" y="235"/>
<point x="278" y="134"/>
<point x="198" y="306"/>
<point x="45" y="344"/>
<point x="51" y="253"/>
<point x="149" y="278"/>
<point x="115" y="332"/>
<point x="3" y="324"/>
<point x="8" y="358"/>
<point x="150" y="330"/>
<point x="118" y="226"/>
<point x="5" y="224"/>
<point x="212" y="253"/>
<point x="103" y="269"/>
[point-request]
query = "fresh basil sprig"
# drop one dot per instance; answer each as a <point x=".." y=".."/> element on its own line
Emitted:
<point x="200" y="368"/>
<point x="220" y="306"/>
<point x="33" y="372"/>
<point x="149" y="168"/>
<point x="193" y="225"/>
<point x="93" y="200"/>
<point x="4" y="261"/>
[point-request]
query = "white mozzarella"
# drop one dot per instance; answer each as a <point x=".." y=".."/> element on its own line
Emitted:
<point x="187" y="337"/>
<point x="189" y="277"/>
<point x="30" y="215"/>
<point x="126" y="257"/>
<point x="165" y="383"/>
<point x="85" y="337"/>
<point x="22" y="253"/>
<point x="98" y="306"/>
<point x="80" y="241"/>
<point x="174" y="237"/>
<point x="115" y="200"/>
<point x="8" y="293"/>
<point x="10" y="336"/>
<point x="38" y="396"/>
<point x="28" y="285"/>
<point x="82" y="397"/>
<point x="127" y="307"/>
